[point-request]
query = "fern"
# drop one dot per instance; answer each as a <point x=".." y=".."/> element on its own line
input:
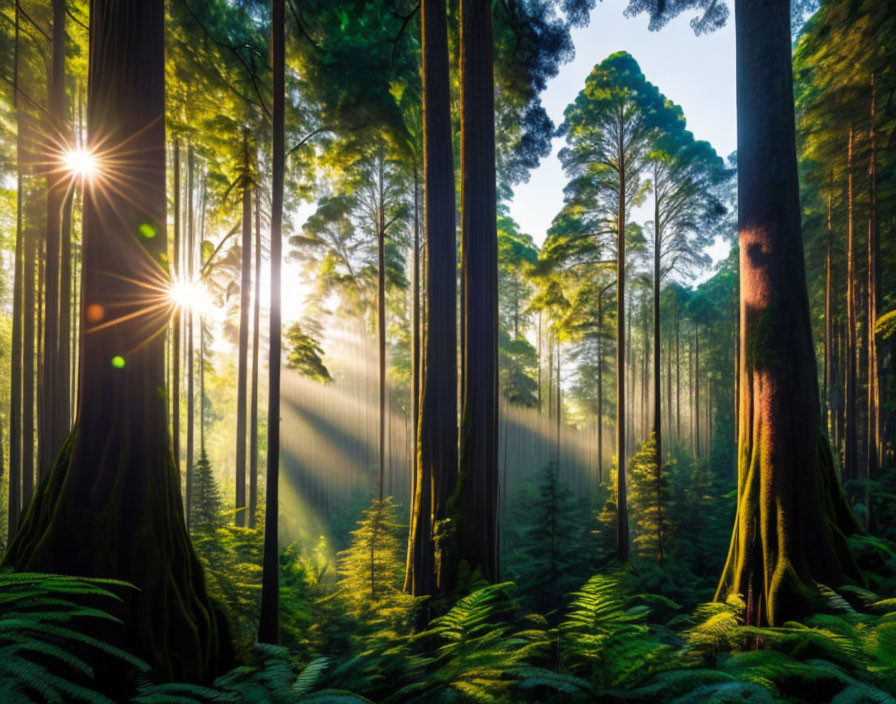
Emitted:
<point x="44" y="655"/>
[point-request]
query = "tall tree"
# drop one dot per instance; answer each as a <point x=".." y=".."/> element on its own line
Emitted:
<point x="792" y="516"/>
<point x="430" y="550"/>
<point x="111" y="506"/>
<point x="477" y="489"/>
<point x="608" y="129"/>
<point x="242" y="361"/>
<point x="269" y="620"/>
<point x="53" y="387"/>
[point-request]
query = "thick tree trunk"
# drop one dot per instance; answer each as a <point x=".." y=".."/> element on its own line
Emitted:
<point x="269" y="621"/>
<point x="792" y="516"/>
<point x="622" y="538"/>
<point x="111" y="506"/>
<point x="243" y="354"/>
<point x="477" y="485"/>
<point x="253" y="396"/>
<point x="52" y="383"/>
<point x="431" y="556"/>
<point x="697" y="446"/>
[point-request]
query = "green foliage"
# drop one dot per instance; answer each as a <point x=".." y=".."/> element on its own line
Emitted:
<point x="605" y="637"/>
<point x="205" y="502"/>
<point x="547" y="541"/>
<point x="649" y="496"/>
<point x="305" y="354"/>
<point x="46" y="651"/>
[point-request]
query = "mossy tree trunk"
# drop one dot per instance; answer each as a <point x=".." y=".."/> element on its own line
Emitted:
<point x="111" y="505"/>
<point x="477" y="488"/>
<point x="792" y="517"/>
<point x="430" y="555"/>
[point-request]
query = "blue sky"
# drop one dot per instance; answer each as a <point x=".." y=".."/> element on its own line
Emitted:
<point x="695" y="72"/>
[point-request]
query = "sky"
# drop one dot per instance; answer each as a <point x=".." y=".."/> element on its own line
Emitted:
<point x="695" y="72"/>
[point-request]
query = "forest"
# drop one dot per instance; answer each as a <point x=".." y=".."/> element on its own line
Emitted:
<point x="447" y="351"/>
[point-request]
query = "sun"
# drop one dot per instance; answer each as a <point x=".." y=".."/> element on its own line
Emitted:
<point x="80" y="162"/>
<point x="189" y="296"/>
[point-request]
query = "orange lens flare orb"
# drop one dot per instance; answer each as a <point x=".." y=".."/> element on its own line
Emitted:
<point x="95" y="313"/>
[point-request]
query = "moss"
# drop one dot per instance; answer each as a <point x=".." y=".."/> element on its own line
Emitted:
<point x="126" y="522"/>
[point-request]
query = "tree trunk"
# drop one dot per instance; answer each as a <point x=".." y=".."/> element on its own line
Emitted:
<point x="697" y="446"/>
<point x="677" y="377"/>
<point x="415" y="343"/>
<point x="29" y="351"/>
<point x="622" y="539"/>
<point x="381" y="320"/>
<point x="190" y="250"/>
<point x="477" y="485"/>
<point x="269" y="622"/>
<point x="600" y="390"/>
<point x="52" y="383"/>
<point x="827" y="421"/>
<point x="15" y="374"/>
<point x="851" y="457"/>
<point x="253" y="396"/>
<point x="430" y="551"/>
<point x="177" y="319"/>
<point x="791" y="516"/>
<point x="111" y="506"/>
<point x="874" y="435"/>
<point x="243" y="356"/>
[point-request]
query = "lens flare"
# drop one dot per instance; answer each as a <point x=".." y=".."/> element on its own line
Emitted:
<point x="189" y="296"/>
<point x="80" y="162"/>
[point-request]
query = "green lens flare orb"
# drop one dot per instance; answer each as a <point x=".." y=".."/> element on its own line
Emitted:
<point x="118" y="361"/>
<point x="147" y="230"/>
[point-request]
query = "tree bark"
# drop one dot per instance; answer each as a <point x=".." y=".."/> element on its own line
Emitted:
<point x="851" y="447"/>
<point x="269" y="622"/>
<point x="430" y="551"/>
<point x="190" y="251"/>
<point x="243" y="355"/>
<point x="111" y="506"/>
<point x="177" y="319"/>
<point x="52" y="383"/>
<point x="253" y="396"/>
<point x="792" y="516"/>
<point x="622" y="537"/>
<point x="874" y="435"/>
<point x="477" y="485"/>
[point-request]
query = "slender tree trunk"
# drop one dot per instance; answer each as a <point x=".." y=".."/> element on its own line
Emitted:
<point x="622" y="539"/>
<point x="112" y="499"/>
<point x="828" y="325"/>
<point x="29" y="352"/>
<point x="415" y="340"/>
<point x="15" y="372"/>
<point x="791" y="514"/>
<point x="191" y="248"/>
<point x="851" y="459"/>
<point x="177" y="319"/>
<point x="697" y="446"/>
<point x="874" y="435"/>
<point x="253" y="397"/>
<point x="381" y="319"/>
<point x="242" y="361"/>
<point x="600" y="390"/>
<point x="677" y="377"/>
<point x="52" y="434"/>
<point x="477" y="486"/>
<point x="269" y="622"/>
<point x="430" y="551"/>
